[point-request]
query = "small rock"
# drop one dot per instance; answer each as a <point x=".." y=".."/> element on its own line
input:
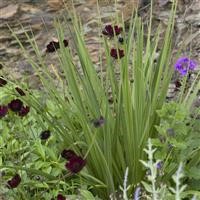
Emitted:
<point x="29" y="8"/>
<point x="4" y="38"/>
<point x="162" y="2"/>
<point x="193" y="19"/>
<point x="195" y="6"/>
<point x="55" y="4"/>
<point x="8" y="11"/>
<point x="171" y="90"/>
<point x="24" y="67"/>
<point x="13" y="51"/>
<point x="196" y="103"/>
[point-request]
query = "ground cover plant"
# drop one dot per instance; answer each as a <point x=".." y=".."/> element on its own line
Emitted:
<point x="83" y="130"/>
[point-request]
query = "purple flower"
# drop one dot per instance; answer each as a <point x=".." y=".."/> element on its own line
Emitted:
<point x="24" y="111"/>
<point x="159" y="165"/>
<point x="3" y="111"/>
<point x="75" y="164"/>
<point x="98" y="122"/>
<point x="20" y="91"/>
<point x="184" y="64"/>
<point x="110" y="31"/>
<point x="137" y="193"/>
<point x="14" y="182"/>
<point x="60" y="197"/>
<point x="68" y="154"/>
<point x="45" y="135"/>
<point x="15" y="105"/>
<point x="114" y="54"/>
<point x="2" y="82"/>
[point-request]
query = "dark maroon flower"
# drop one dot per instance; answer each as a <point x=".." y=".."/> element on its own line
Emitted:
<point x="113" y="53"/>
<point x="45" y="135"/>
<point x="118" y="30"/>
<point x="177" y="85"/>
<point x="2" y="82"/>
<point x="3" y="111"/>
<point x="75" y="164"/>
<point x="110" y="31"/>
<point x="24" y="111"/>
<point x="52" y="46"/>
<point x="20" y="91"/>
<point x="65" y="42"/>
<point x="14" y="182"/>
<point x="99" y="122"/>
<point x="60" y="197"/>
<point x="15" y="105"/>
<point x="68" y="154"/>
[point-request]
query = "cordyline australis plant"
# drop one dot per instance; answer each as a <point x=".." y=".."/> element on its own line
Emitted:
<point x="111" y="137"/>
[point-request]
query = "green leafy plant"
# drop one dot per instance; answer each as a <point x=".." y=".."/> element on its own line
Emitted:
<point x="154" y="189"/>
<point x="179" y="141"/>
<point x="106" y="120"/>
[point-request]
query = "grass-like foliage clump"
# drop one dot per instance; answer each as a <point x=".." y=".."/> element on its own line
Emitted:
<point x="83" y="129"/>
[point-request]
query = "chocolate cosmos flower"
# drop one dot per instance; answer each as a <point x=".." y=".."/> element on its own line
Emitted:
<point x="75" y="164"/>
<point x="45" y="135"/>
<point x="110" y="31"/>
<point x="65" y="42"/>
<point x="3" y="111"/>
<point x="177" y="85"/>
<point x="60" y="197"/>
<point x="113" y="53"/>
<point x="53" y="46"/>
<point x="98" y="122"/>
<point x="2" y="82"/>
<point x="15" y="105"/>
<point x="68" y="154"/>
<point x="14" y="182"/>
<point x="24" y="111"/>
<point x="20" y="91"/>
